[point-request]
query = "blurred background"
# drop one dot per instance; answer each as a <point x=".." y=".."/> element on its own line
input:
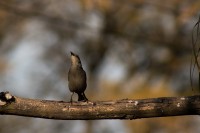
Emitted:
<point x="129" y="49"/>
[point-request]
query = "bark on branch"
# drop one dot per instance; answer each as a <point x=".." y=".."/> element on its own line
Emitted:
<point x="120" y="109"/>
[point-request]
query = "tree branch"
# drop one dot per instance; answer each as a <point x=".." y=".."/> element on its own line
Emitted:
<point x="120" y="109"/>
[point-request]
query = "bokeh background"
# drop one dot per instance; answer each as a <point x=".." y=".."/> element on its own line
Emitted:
<point x="129" y="49"/>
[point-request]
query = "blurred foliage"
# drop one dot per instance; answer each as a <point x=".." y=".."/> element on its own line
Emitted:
<point x="130" y="49"/>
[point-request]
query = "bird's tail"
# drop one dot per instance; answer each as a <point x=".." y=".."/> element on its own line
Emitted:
<point x="82" y="97"/>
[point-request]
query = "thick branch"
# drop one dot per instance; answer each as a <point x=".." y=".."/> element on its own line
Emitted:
<point x="120" y="109"/>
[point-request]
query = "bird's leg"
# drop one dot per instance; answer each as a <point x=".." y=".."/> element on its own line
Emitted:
<point x="71" y="97"/>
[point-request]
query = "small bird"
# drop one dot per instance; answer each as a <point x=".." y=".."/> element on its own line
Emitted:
<point x="77" y="79"/>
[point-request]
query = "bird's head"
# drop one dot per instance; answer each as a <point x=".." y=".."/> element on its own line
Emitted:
<point x="75" y="60"/>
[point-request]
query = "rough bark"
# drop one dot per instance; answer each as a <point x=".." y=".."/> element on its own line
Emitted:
<point x="119" y="109"/>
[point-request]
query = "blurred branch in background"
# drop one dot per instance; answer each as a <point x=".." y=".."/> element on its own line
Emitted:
<point x="196" y="50"/>
<point x="54" y="21"/>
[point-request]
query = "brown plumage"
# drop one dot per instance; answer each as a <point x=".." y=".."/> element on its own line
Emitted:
<point x="77" y="79"/>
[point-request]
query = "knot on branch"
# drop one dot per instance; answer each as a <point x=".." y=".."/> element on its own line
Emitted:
<point x="5" y="98"/>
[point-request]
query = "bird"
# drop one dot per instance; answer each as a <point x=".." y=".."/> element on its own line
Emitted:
<point x="77" y="79"/>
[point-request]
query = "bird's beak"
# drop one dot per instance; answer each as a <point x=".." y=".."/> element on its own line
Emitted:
<point x="72" y="53"/>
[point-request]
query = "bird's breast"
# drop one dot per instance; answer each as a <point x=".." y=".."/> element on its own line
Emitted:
<point x="77" y="80"/>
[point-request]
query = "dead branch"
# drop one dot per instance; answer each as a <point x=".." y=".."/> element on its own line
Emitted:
<point x="119" y="109"/>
